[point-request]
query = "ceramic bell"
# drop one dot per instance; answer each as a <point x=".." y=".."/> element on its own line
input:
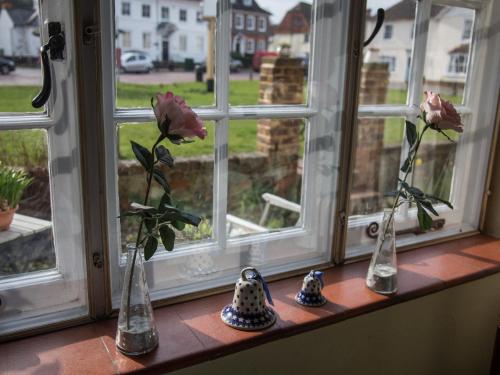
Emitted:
<point x="249" y="311"/>
<point x="310" y="294"/>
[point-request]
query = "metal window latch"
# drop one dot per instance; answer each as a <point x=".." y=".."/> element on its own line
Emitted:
<point x="378" y="25"/>
<point x="97" y="260"/>
<point x="54" y="47"/>
<point x="89" y="33"/>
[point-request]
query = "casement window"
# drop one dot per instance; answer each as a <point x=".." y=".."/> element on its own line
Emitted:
<point x="454" y="171"/>
<point x="199" y="17"/>
<point x="388" y="30"/>
<point x="249" y="46"/>
<point x="261" y="45"/>
<point x="250" y="22"/>
<point x="282" y="183"/>
<point x="146" y="40"/>
<point x="165" y="13"/>
<point x="183" y="15"/>
<point x="467" y="29"/>
<point x="391" y="60"/>
<point x="146" y="11"/>
<point x="262" y="24"/>
<point x="125" y="9"/>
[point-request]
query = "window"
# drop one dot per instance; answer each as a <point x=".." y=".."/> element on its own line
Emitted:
<point x="126" y="39"/>
<point x="146" y="40"/>
<point x="182" y="43"/>
<point x="250" y="22"/>
<point x="183" y="15"/>
<point x="247" y="3"/>
<point x="238" y="21"/>
<point x="43" y="277"/>
<point x="306" y="38"/>
<point x="199" y="17"/>
<point x="458" y="63"/>
<point x="125" y="9"/>
<point x="249" y="46"/>
<point x="388" y="31"/>
<point x="442" y="166"/>
<point x="262" y="24"/>
<point x="391" y="60"/>
<point x="146" y="11"/>
<point x="165" y="13"/>
<point x="467" y="29"/>
<point x="261" y="45"/>
<point x="200" y="42"/>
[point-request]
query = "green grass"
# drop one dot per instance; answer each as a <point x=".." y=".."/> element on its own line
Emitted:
<point x="28" y="147"/>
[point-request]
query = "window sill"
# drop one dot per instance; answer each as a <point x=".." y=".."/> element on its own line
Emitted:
<point x="192" y="332"/>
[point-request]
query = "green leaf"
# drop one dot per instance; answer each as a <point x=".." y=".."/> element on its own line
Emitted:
<point x="428" y="205"/>
<point x="164" y="156"/>
<point x="424" y="219"/>
<point x="167" y="237"/>
<point x="406" y="167"/>
<point x="161" y="179"/>
<point x="150" y="248"/>
<point x="164" y="202"/>
<point x="150" y="224"/>
<point x="143" y="155"/>
<point x="189" y="218"/>
<point x="179" y="225"/>
<point x="411" y="133"/>
<point x="432" y="197"/>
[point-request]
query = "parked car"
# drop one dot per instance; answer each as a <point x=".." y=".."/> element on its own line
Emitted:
<point x="234" y="66"/>
<point x="135" y="62"/>
<point x="257" y="58"/>
<point x="6" y="66"/>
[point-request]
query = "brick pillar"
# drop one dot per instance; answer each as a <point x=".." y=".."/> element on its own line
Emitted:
<point x="281" y="82"/>
<point x="366" y="196"/>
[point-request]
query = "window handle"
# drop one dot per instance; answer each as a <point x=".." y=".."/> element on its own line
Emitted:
<point x="378" y="25"/>
<point x="54" y="46"/>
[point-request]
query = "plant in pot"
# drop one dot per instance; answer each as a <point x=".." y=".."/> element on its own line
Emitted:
<point x="177" y="123"/>
<point x="12" y="184"/>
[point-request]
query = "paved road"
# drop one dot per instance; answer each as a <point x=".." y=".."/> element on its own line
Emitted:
<point x="33" y="76"/>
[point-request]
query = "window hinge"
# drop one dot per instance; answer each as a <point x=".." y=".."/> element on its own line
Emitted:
<point x="342" y="217"/>
<point x="97" y="259"/>
<point x="89" y="33"/>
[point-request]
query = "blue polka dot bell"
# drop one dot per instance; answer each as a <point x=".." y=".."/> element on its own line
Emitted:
<point x="310" y="293"/>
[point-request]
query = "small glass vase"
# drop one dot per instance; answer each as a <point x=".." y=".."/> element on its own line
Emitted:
<point x="137" y="332"/>
<point x="383" y="270"/>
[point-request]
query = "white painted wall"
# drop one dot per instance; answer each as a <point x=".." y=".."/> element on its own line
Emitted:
<point x="195" y="32"/>
<point x="299" y="47"/>
<point x="6" y="26"/>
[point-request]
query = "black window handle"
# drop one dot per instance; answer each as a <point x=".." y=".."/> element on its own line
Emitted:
<point x="378" y="25"/>
<point x="54" y="46"/>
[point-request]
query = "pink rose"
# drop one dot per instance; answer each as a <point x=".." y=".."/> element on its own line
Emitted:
<point x="441" y="113"/>
<point x="183" y="121"/>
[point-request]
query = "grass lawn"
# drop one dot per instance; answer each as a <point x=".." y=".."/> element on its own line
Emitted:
<point x="29" y="146"/>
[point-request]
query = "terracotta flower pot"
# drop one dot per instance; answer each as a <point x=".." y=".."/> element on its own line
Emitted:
<point x="6" y="218"/>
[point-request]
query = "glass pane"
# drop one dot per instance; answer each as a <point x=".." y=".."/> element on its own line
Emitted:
<point x="27" y="245"/>
<point x="265" y="175"/>
<point x="376" y="169"/>
<point x="259" y="31"/>
<point x="387" y="59"/>
<point x="20" y="75"/>
<point x="191" y="179"/>
<point x="164" y="46"/>
<point x="448" y="49"/>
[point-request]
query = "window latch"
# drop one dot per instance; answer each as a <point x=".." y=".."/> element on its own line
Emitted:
<point x="97" y="260"/>
<point x="54" y="46"/>
<point x="378" y="25"/>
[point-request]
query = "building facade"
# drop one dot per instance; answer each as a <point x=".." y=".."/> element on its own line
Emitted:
<point x="19" y="33"/>
<point x="168" y="30"/>
<point x="250" y="27"/>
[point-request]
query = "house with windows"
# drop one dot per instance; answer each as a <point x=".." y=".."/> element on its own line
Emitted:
<point x="19" y="32"/>
<point x="450" y="29"/>
<point x="250" y="28"/>
<point x="294" y="30"/>
<point x="168" y="30"/>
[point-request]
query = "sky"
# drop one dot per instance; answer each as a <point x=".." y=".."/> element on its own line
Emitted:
<point x="279" y="7"/>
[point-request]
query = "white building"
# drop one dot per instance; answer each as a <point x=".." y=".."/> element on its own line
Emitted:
<point x="168" y="30"/>
<point x="450" y="30"/>
<point x="19" y="33"/>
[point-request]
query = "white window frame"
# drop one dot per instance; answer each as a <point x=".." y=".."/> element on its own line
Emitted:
<point x="261" y="45"/>
<point x="165" y="10"/>
<point x="467" y="32"/>
<point x="146" y="40"/>
<point x="126" y="8"/>
<point x="387" y="35"/>
<point x="185" y="13"/>
<point x="249" y="45"/>
<point x="470" y="162"/>
<point x="41" y="298"/>
<point x="239" y="21"/>
<point x="183" y="42"/>
<point x="126" y="37"/>
<point x="250" y="22"/>
<point x="262" y="24"/>
<point x="324" y="113"/>
<point x="454" y="63"/>
<point x="391" y="60"/>
<point x="146" y="9"/>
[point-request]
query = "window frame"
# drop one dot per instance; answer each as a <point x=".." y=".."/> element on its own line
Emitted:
<point x="146" y="11"/>
<point x="165" y="11"/>
<point x="241" y="24"/>
<point x="183" y="15"/>
<point x="388" y="31"/>
<point x="126" y="8"/>
<point x="250" y="22"/>
<point x="356" y="227"/>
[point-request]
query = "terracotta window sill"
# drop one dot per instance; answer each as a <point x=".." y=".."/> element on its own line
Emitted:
<point x="192" y="332"/>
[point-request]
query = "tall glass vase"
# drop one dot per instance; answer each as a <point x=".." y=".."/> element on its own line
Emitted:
<point x="382" y="273"/>
<point x="137" y="332"/>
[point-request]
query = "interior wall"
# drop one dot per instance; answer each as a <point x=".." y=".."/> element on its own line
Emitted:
<point x="449" y="332"/>
<point x="492" y="218"/>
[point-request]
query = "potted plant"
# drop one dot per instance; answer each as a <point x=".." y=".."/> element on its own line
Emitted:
<point x="12" y="184"/>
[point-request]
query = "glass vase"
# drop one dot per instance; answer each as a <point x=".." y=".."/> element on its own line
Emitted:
<point x="383" y="270"/>
<point x="137" y="332"/>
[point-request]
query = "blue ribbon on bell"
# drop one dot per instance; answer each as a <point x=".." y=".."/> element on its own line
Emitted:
<point x="318" y="275"/>
<point x="258" y="276"/>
